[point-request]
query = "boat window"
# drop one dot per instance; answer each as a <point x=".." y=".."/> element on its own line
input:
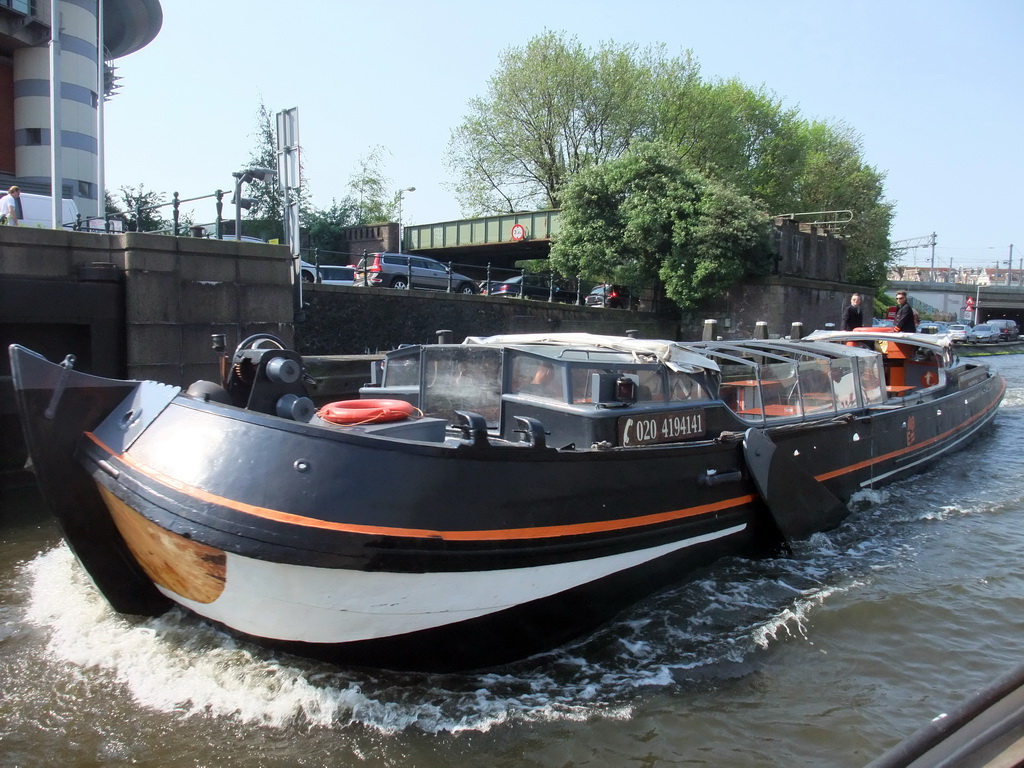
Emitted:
<point x="652" y="386"/>
<point x="683" y="386"/>
<point x="872" y="379"/>
<point x="538" y="377"/>
<point x="844" y="385"/>
<point x="402" y="370"/>
<point x="461" y="378"/>
<point x="816" y="386"/>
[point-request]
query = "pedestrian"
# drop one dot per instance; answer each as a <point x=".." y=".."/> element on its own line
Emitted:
<point x="10" y="207"/>
<point x="853" y="316"/>
<point x="904" y="315"/>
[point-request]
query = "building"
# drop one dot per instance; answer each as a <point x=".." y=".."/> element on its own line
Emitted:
<point x="92" y="34"/>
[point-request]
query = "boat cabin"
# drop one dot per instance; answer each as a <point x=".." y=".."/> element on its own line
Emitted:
<point x="580" y="391"/>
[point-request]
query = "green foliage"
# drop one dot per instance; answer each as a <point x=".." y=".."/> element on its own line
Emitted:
<point x="370" y="190"/>
<point x="267" y="197"/>
<point x="835" y="177"/>
<point x="553" y="109"/>
<point x="326" y="229"/>
<point x="139" y="209"/>
<point x="649" y="217"/>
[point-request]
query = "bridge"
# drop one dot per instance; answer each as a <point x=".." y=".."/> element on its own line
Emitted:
<point x="500" y="240"/>
<point x="992" y="300"/>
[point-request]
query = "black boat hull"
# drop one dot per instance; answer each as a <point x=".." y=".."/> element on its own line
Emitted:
<point x="338" y="543"/>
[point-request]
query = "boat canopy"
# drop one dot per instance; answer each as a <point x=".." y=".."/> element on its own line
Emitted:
<point x="673" y="355"/>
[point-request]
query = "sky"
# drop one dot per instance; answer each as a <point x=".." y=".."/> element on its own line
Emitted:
<point x="935" y="90"/>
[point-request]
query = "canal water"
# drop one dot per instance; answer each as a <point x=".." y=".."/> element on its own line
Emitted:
<point x="823" y="659"/>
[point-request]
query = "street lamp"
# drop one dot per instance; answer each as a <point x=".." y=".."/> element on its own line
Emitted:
<point x="401" y="192"/>
<point x="247" y="176"/>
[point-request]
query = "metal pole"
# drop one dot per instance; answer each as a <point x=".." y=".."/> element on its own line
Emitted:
<point x="101" y="177"/>
<point x="933" y="257"/>
<point x="238" y="207"/>
<point x="56" y="171"/>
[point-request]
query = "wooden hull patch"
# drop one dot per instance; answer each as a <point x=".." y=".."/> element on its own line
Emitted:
<point x="185" y="567"/>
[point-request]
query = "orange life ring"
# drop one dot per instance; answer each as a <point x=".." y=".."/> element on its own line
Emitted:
<point x="366" y="411"/>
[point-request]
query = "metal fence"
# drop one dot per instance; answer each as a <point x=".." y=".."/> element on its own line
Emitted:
<point x="487" y="278"/>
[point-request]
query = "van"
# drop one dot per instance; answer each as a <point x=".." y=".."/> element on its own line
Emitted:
<point x="36" y="211"/>
<point x="1008" y="330"/>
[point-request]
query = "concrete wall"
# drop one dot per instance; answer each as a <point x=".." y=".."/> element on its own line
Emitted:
<point x="805" y="251"/>
<point x="780" y="302"/>
<point x="339" y="320"/>
<point x="176" y="292"/>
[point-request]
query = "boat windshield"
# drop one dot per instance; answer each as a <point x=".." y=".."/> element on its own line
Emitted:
<point x="461" y="378"/>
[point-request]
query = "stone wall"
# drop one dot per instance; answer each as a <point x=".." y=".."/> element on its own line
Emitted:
<point x="808" y="252"/>
<point x="176" y="293"/>
<point x="339" y="320"/>
<point x="370" y="238"/>
<point x="782" y="301"/>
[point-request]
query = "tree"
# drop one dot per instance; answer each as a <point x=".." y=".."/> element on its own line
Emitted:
<point x="265" y="217"/>
<point x="733" y="133"/>
<point x="834" y="176"/>
<point x="140" y="209"/>
<point x="649" y="217"/>
<point x="369" y="188"/>
<point x="552" y="109"/>
<point x="326" y="229"/>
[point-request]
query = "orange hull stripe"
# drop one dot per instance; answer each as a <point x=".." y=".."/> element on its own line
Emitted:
<point x="901" y="451"/>
<point x="540" y="532"/>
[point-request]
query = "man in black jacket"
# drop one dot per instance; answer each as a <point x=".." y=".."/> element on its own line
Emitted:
<point x="904" y="315"/>
<point x="853" y="316"/>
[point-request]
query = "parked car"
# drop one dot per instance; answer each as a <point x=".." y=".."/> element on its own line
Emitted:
<point x="612" y="297"/>
<point x="533" y="286"/>
<point x="337" y="275"/>
<point x="307" y="271"/>
<point x="1008" y="330"/>
<point x="396" y="270"/>
<point x="984" y="333"/>
<point x="959" y="333"/>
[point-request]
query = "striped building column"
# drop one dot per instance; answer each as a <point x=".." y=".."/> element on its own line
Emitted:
<point x="80" y="67"/>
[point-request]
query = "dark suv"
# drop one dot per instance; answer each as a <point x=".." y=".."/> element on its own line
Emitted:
<point x="1008" y="330"/>
<point x="532" y="286"/>
<point x="612" y="297"/>
<point x="401" y="270"/>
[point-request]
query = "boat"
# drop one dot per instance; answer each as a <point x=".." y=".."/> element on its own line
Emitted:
<point x="985" y="729"/>
<point x="480" y="502"/>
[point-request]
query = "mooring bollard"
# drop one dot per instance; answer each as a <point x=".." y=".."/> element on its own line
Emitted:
<point x="444" y="337"/>
<point x="632" y="334"/>
<point x="761" y="329"/>
<point x="796" y="331"/>
<point x="709" y="330"/>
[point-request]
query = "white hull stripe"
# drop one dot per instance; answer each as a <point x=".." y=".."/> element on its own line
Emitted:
<point x="323" y="605"/>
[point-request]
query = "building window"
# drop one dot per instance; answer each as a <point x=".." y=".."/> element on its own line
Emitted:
<point x="34" y="137"/>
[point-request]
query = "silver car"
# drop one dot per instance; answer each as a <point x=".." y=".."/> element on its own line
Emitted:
<point x="959" y="333"/>
<point x="400" y="270"/>
<point x="335" y="275"/>
<point x="983" y="333"/>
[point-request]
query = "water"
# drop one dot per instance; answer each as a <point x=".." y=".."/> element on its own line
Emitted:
<point x="827" y="658"/>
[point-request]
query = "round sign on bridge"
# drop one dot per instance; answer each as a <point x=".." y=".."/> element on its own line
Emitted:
<point x="518" y="232"/>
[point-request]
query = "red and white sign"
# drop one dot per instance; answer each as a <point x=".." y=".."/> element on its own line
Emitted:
<point x="970" y="302"/>
<point x="518" y="232"/>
